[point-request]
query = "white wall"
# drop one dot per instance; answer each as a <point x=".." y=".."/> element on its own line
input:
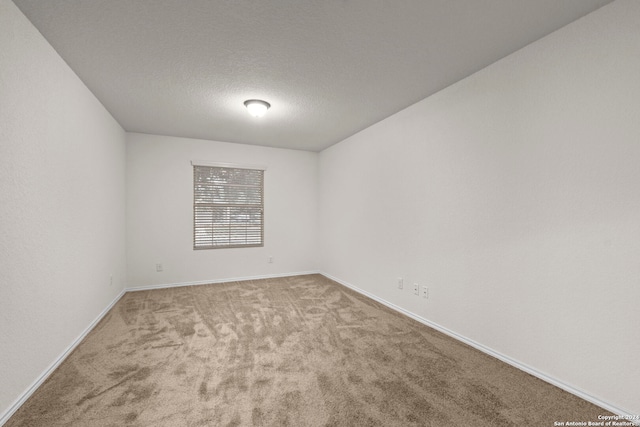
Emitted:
<point x="515" y="196"/>
<point x="62" y="212"/>
<point x="160" y="212"/>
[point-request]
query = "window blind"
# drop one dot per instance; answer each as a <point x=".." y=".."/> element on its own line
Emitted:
<point x="228" y="207"/>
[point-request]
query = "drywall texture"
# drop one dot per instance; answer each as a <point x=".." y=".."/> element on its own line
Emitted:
<point x="62" y="195"/>
<point x="514" y="196"/>
<point x="160" y="211"/>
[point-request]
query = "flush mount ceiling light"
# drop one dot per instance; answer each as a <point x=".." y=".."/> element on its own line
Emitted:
<point x="256" y="107"/>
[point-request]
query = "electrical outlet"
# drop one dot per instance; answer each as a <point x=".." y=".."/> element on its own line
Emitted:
<point x="416" y="289"/>
<point x="425" y="292"/>
<point x="111" y="280"/>
<point x="158" y="267"/>
<point x="400" y="282"/>
<point x="270" y="261"/>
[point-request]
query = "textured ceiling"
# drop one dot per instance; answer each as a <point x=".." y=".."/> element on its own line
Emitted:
<point x="328" y="67"/>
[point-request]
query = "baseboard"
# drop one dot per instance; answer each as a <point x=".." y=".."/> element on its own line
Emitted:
<point x="506" y="359"/>
<point x="38" y="382"/>
<point x="212" y="281"/>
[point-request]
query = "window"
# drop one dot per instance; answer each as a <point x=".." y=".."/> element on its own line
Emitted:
<point x="228" y="207"/>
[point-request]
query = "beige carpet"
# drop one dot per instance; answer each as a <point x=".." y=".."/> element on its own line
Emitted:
<point x="297" y="351"/>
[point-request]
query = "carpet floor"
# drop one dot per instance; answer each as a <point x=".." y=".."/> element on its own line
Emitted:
<point x="296" y="351"/>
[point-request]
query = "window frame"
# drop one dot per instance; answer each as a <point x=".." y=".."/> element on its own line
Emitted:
<point x="227" y="205"/>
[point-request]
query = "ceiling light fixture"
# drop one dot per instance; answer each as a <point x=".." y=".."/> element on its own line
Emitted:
<point x="256" y="107"/>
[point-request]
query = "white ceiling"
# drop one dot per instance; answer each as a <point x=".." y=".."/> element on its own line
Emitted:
<point x="328" y="67"/>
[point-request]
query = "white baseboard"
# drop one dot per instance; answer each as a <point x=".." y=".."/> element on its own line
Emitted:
<point x="4" y="417"/>
<point x="516" y="364"/>
<point x="208" y="282"/>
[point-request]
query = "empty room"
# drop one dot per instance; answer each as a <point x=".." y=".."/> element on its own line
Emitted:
<point x="319" y="213"/>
